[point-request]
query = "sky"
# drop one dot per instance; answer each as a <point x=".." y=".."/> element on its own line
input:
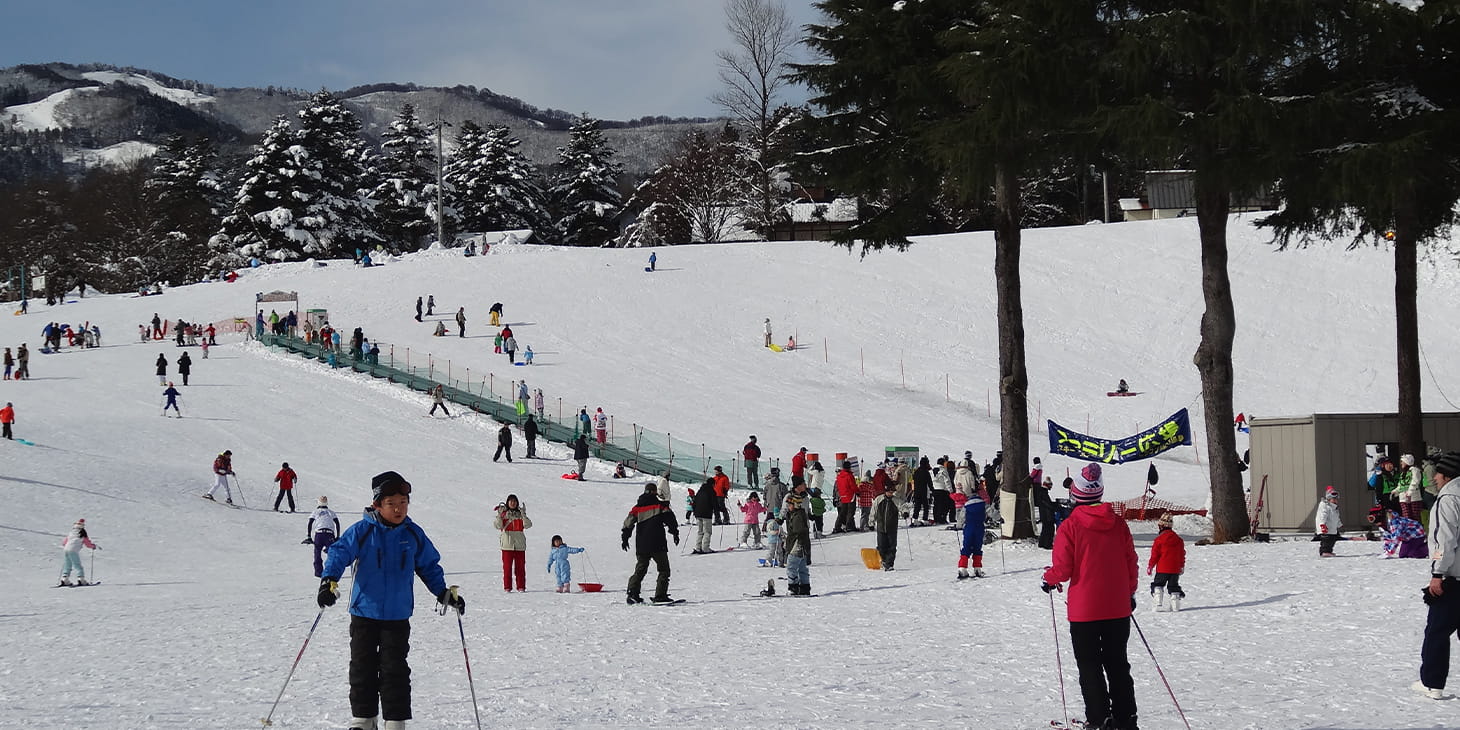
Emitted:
<point x="615" y="60"/>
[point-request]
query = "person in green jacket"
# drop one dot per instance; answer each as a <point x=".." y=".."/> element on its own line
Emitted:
<point x="818" y="508"/>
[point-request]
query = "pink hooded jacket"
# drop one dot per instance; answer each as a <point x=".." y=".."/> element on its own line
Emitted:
<point x="753" y="509"/>
<point x="1093" y="550"/>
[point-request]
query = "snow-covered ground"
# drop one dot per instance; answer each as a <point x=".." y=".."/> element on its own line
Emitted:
<point x="202" y="608"/>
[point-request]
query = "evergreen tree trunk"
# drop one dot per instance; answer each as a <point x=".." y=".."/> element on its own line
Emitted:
<point x="1406" y="331"/>
<point x="1213" y="360"/>
<point x="1013" y="376"/>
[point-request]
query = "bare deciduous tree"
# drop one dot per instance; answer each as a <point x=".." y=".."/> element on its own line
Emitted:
<point x="753" y="74"/>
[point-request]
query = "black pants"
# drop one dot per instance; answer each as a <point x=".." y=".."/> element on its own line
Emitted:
<point x="817" y="523"/>
<point x="503" y="448"/>
<point x="1045" y="505"/>
<point x="846" y="515"/>
<point x="887" y="547"/>
<point x="185" y="377"/>
<point x="442" y="406"/>
<point x="641" y="568"/>
<point x="282" y="494"/>
<point x="7" y="433"/>
<point x="1443" y="622"/>
<point x="1105" y="680"/>
<point x="1170" y="581"/>
<point x="942" y="506"/>
<point x="1326" y="541"/>
<point x="722" y="512"/>
<point x="532" y="448"/>
<point x="380" y="678"/>
<point x="920" y="506"/>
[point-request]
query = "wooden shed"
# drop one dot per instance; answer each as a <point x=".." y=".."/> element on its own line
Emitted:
<point x="1301" y="456"/>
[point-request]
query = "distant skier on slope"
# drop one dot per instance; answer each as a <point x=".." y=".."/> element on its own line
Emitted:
<point x="323" y="526"/>
<point x="172" y="395"/>
<point x="222" y="469"/>
<point x="71" y="554"/>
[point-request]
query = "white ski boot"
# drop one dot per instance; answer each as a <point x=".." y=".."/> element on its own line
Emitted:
<point x="395" y="725"/>
<point x="962" y="573"/>
<point x="362" y="723"/>
<point x="1160" y="595"/>
<point x="82" y="582"/>
<point x="66" y="581"/>
<point x="978" y="573"/>
<point x="1176" y="601"/>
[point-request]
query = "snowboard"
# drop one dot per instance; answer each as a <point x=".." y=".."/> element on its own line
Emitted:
<point x="24" y="441"/>
<point x="646" y="268"/>
<point x="675" y="602"/>
<point x="1116" y="394"/>
<point x="776" y="348"/>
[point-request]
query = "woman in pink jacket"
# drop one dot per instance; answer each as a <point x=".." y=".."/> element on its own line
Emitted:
<point x="1093" y="550"/>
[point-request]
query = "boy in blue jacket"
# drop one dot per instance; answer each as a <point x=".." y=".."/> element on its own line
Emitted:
<point x="386" y="549"/>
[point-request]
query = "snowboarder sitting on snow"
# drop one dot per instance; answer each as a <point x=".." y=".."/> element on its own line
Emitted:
<point x="619" y="471"/>
<point x="71" y="554"/>
<point x="1168" y="560"/>
<point x="558" y="557"/>
<point x="382" y="600"/>
<point x="1122" y="387"/>
<point x="440" y="329"/>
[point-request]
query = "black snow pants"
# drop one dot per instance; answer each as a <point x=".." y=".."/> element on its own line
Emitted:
<point x="1105" y="680"/>
<point x="380" y="678"/>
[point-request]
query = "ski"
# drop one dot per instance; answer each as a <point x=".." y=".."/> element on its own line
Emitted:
<point x="225" y="504"/>
<point x="1071" y="725"/>
<point x="674" y="602"/>
<point x="779" y="595"/>
<point x="77" y="585"/>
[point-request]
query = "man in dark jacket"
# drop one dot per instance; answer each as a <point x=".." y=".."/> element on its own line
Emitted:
<point x="886" y="517"/>
<point x="652" y="518"/>
<point x="504" y="443"/>
<point x="751" y="452"/>
<point x="703" y="505"/>
<point x="580" y="454"/>
<point x="529" y="430"/>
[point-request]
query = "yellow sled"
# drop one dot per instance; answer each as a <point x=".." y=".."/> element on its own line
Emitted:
<point x="777" y="348"/>
<point x="871" y="558"/>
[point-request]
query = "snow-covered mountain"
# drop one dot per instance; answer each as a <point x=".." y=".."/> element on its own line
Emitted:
<point x="202" y="609"/>
<point x="101" y="106"/>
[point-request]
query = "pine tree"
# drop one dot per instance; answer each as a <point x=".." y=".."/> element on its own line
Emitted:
<point x="265" y="221"/>
<point x="494" y="186"/>
<point x="405" y="198"/>
<point x="184" y="198"/>
<point x="336" y="188"/>
<point x="586" y="197"/>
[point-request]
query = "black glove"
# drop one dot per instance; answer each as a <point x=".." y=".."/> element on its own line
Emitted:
<point x="1132" y="602"/>
<point x="449" y="601"/>
<point x="1047" y="587"/>
<point x="306" y="541"/>
<point x="327" y="595"/>
<point x="625" y="545"/>
<point x="676" y="539"/>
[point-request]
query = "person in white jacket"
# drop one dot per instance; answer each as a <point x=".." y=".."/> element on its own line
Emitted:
<point x="71" y="553"/>
<point x="1443" y="592"/>
<point x="1326" y="523"/>
<point x="1410" y="490"/>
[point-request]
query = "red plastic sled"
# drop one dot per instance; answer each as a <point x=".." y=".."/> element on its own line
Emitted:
<point x="571" y="475"/>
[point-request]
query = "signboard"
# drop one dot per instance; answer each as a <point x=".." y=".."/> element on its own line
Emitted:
<point x="1164" y="436"/>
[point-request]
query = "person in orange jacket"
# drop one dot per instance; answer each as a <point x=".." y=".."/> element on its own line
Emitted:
<point x="7" y="420"/>
<point x="722" y="492"/>
<point x="1168" y="560"/>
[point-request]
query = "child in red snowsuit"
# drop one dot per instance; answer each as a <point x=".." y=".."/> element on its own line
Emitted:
<point x="1168" y="560"/>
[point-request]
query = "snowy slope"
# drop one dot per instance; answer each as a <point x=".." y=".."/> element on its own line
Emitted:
<point x="203" y="608"/>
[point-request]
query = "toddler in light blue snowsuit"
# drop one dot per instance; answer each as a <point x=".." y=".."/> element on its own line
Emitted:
<point x="558" y="557"/>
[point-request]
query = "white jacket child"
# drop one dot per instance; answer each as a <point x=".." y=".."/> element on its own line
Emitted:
<point x="1327" y="522"/>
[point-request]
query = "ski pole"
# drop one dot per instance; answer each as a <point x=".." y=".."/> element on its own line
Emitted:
<point x="1142" y="634"/>
<point x="466" y="658"/>
<point x="239" y="486"/>
<point x="269" y="719"/>
<point x="93" y="565"/>
<point x="1058" y="662"/>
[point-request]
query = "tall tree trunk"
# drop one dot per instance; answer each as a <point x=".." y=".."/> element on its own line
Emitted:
<point x="1214" y="361"/>
<point x="1013" y="376"/>
<point x="1406" y="332"/>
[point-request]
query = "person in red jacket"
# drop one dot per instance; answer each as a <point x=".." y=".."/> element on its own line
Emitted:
<point x="866" y="492"/>
<point x="722" y="492"/>
<point x="1168" y="560"/>
<point x="798" y="467"/>
<point x="846" y="500"/>
<point x="751" y="452"/>
<point x="1093" y="550"/>
<point x="285" y="478"/>
<point x="7" y="420"/>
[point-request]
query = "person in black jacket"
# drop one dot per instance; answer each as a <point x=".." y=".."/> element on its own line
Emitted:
<point x="184" y="367"/>
<point x="652" y="518"/>
<point x="703" y="506"/>
<point x="580" y="454"/>
<point x="922" y="488"/>
<point x="504" y="443"/>
<point x="529" y="430"/>
<point x="161" y="369"/>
